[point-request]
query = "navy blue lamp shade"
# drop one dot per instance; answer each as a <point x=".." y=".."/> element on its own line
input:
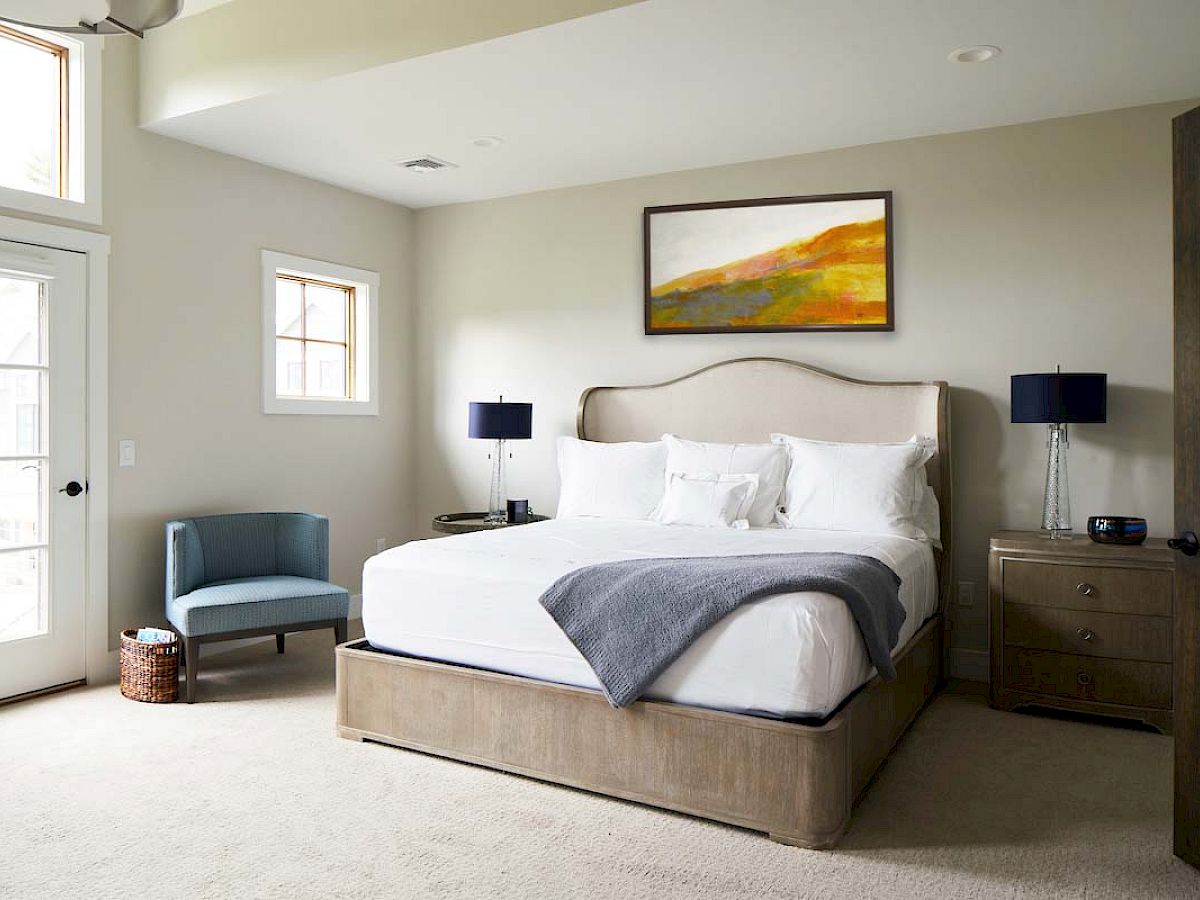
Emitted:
<point x="501" y="421"/>
<point x="1060" y="397"/>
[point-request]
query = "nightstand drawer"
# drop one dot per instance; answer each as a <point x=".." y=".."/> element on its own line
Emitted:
<point x="1142" y="638"/>
<point x="1119" y="681"/>
<point x="1101" y="588"/>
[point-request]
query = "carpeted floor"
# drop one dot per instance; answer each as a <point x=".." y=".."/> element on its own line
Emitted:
<point x="250" y="794"/>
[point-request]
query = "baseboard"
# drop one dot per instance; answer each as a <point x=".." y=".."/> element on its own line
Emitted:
<point x="108" y="671"/>
<point x="970" y="665"/>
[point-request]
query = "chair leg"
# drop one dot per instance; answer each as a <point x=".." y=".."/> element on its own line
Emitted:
<point x="341" y="629"/>
<point x="191" y="652"/>
<point x="279" y="643"/>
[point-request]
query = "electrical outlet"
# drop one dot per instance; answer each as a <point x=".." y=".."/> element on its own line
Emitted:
<point x="380" y="544"/>
<point x="966" y="593"/>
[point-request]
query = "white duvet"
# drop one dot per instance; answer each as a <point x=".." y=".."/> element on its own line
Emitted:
<point x="472" y="599"/>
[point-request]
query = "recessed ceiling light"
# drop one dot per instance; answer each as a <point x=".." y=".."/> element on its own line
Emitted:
<point x="487" y="142"/>
<point x="976" y="53"/>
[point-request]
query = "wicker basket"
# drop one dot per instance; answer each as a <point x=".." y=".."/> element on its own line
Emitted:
<point x="149" y="672"/>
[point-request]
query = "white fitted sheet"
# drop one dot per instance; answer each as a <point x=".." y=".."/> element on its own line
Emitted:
<point x="472" y="599"/>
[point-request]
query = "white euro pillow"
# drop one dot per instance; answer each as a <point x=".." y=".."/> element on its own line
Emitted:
<point x="873" y="488"/>
<point x="612" y="481"/>
<point x="708" y="501"/>
<point x="768" y="461"/>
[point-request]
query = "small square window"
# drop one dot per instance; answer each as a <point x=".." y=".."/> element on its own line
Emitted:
<point x="314" y="338"/>
<point x="319" y="341"/>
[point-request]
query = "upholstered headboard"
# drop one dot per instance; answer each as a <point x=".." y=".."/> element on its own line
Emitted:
<point x="747" y="399"/>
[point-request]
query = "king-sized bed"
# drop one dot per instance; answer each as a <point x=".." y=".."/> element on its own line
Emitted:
<point x="774" y="719"/>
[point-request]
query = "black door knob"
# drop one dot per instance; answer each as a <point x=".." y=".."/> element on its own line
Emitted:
<point x="1186" y="543"/>
<point x="74" y="489"/>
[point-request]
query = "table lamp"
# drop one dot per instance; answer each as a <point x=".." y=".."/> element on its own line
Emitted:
<point x="1057" y="399"/>
<point x="499" y="422"/>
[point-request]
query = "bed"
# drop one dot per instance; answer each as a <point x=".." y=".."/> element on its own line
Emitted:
<point x="461" y="661"/>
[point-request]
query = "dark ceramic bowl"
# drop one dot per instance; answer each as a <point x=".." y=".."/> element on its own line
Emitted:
<point x="1116" y="529"/>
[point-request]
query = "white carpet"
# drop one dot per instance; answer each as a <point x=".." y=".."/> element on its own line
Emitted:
<point x="250" y="794"/>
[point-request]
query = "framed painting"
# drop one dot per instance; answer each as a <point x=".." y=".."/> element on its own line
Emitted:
<point x="783" y="264"/>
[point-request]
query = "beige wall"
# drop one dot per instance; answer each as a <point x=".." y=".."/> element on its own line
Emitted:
<point x="1017" y="249"/>
<point x="184" y="380"/>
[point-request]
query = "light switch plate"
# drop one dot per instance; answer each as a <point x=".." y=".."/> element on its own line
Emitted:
<point x="126" y="454"/>
<point x="966" y="593"/>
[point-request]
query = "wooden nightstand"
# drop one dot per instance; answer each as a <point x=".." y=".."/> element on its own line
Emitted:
<point x="1082" y="626"/>
<point x="462" y="523"/>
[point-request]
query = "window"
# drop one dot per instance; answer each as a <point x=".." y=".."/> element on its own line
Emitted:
<point x="42" y="164"/>
<point x="33" y="156"/>
<point x="318" y="337"/>
<point x="27" y="428"/>
<point x="314" y="338"/>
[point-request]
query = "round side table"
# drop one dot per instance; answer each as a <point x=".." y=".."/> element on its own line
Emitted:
<point x="461" y="523"/>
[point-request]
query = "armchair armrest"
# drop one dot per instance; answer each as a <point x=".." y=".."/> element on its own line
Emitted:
<point x="302" y="545"/>
<point x="185" y="558"/>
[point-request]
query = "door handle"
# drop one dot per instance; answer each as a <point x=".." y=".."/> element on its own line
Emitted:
<point x="74" y="489"/>
<point x="1186" y="543"/>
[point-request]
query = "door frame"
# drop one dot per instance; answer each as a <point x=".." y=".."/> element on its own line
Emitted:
<point x="101" y="664"/>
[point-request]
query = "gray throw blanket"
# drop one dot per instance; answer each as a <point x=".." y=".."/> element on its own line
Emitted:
<point x="633" y="618"/>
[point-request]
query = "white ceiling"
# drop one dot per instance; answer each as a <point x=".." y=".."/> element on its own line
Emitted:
<point x="676" y="84"/>
<point x="191" y="7"/>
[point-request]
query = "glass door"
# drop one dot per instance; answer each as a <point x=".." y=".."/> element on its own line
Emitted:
<point x="43" y="498"/>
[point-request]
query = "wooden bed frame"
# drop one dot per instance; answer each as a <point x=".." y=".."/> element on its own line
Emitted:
<point x="796" y="781"/>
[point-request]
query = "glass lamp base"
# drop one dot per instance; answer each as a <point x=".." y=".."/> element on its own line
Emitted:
<point x="1056" y="505"/>
<point x="497" y="508"/>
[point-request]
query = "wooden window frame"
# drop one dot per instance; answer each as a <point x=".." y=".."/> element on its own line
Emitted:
<point x="304" y="340"/>
<point x="362" y="333"/>
<point x="62" y="56"/>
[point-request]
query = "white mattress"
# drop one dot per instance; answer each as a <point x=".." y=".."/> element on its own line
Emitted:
<point x="472" y="599"/>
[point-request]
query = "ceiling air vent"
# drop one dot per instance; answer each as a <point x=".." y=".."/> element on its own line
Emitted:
<point x="423" y="165"/>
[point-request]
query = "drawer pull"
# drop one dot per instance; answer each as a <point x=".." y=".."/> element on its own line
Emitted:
<point x="1086" y="633"/>
<point x="1084" y="588"/>
<point x="1084" y="679"/>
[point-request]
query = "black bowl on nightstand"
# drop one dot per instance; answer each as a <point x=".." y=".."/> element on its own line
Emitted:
<point x="1116" y="529"/>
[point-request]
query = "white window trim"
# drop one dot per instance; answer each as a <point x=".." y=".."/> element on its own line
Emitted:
<point x="366" y="340"/>
<point x="83" y="142"/>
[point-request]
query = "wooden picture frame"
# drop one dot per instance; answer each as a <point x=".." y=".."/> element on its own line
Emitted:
<point x="716" y="274"/>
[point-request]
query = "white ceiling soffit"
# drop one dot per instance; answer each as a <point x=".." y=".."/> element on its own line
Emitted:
<point x="668" y="85"/>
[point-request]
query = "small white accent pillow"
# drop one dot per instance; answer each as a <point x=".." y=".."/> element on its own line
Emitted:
<point x="612" y="481"/>
<point x="768" y="461"/>
<point x="874" y="488"/>
<point x="710" y="501"/>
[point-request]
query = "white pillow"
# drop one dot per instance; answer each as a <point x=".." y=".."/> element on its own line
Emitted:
<point x="768" y="461"/>
<point x="928" y="516"/>
<point x="876" y="488"/>
<point x="613" y="481"/>
<point x="711" y="501"/>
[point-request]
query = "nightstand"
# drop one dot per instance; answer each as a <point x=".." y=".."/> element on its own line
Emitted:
<point x="462" y="523"/>
<point x="1082" y="626"/>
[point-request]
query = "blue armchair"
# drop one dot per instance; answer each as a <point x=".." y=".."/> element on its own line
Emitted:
<point x="249" y="574"/>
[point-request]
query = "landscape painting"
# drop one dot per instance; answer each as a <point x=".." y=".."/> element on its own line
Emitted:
<point x="784" y="264"/>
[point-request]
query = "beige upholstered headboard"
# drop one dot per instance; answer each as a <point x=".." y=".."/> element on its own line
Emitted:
<point x="747" y="399"/>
